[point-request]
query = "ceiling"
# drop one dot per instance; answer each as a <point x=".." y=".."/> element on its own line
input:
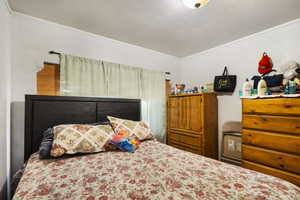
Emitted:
<point x="165" y="25"/>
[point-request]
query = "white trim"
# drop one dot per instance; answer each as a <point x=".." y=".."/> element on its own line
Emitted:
<point x="281" y="26"/>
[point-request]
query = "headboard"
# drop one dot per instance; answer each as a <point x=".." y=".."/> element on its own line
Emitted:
<point x="42" y="112"/>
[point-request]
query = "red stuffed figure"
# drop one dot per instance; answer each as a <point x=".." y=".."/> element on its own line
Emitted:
<point x="265" y="64"/>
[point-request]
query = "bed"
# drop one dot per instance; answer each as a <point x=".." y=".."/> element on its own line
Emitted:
<point x="154" y="171"/>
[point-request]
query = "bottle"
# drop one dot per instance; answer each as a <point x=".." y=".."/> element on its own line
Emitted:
<point x="247" y="88"/>
<point x="262" y="87"/>
<point x="292" y="87"/>
<point x="286" y="88"/>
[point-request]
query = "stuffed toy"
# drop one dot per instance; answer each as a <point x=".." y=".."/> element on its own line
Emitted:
<point x="290" y="70"/>
<point x="265" y="65"/>
<point x="125" y="143"/>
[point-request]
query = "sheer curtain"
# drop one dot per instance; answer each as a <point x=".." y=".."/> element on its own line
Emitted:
<point x="154" y="101"/>
<point x="82" y="77"/>
<point x="88" y="77"/>
<point x="122" y="80"/>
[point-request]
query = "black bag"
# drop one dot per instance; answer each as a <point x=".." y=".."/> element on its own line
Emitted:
<point x="272" y="81"/>
<point x="225" y="83"/>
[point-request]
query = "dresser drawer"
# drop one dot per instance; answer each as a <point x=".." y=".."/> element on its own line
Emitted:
<point x="275" y="141"/>
<point x="195" y="140"/>
<point x="279" y="160"/>
<point x="277" y="106"/>
<point x="289" y="125"/>
<point x="185" y="148"/>
<point x="293" y="178"/>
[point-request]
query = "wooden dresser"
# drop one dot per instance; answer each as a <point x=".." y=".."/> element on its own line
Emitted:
<point x="193" y="123"/>
<point x="271" y="137"/>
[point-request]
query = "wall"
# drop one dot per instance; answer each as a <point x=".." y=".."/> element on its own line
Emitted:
<point x="33" y="38"/>
<point x="5" y="21"/>
<point x="282" y="43"/>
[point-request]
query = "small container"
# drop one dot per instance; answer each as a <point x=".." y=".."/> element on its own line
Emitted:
<point x="241" y="93"/>
<point x="286" y="89"/>
<point x="254" y="92"/>
<point x="209" y="87"/>
<point x="269" y="92"/>
<point x="195" y="90"/>
<point x="292" y="87"/>
<point x="262" y="87"/>
<point x="201" y="89"/>
<point x="247" y="88"/>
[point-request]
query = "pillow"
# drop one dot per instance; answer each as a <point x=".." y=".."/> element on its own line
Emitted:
<point x="79" y="138"/>
<point x="131" y="128"/>
<point x="125" y="143"/>
<point x="46" y="144"/>
<point x="101" y="123"/>
<point x="47" y="141"/>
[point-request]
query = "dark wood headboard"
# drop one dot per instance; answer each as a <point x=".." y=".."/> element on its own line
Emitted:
<point x="42" y="112"/>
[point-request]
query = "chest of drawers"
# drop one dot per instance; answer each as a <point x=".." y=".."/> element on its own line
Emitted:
<point x="193" y="123"/>
<point x="271" y="137"/>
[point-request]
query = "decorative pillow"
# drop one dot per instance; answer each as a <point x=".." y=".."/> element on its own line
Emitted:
<point x="131" y="128"/>
<point x="46" y="144"/>
<point x="47" y="141"/>
<point x="78" y="138"/>
<point x="101" y="123"/>
<point x="125" y="143"/>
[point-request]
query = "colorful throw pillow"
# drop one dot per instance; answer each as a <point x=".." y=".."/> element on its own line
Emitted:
<point x="131" y="128"/>
<point x="125" y="143"/>
<point x="78" y="138"/>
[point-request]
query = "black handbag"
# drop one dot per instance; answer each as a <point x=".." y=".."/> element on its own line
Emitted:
<point x="272" y="81"/>
<point x="225" y="83"/>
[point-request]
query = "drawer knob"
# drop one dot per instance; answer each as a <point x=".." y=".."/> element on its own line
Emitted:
<point x="287" y="106"/>
<point x="281" y="165"/>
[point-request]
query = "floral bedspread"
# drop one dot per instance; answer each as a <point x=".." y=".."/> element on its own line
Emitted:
<point x="154" y="171"/>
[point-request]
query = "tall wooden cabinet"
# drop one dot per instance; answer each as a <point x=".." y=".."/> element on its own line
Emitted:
<point x="193" y="123"/>
<point x="271" y="137"/>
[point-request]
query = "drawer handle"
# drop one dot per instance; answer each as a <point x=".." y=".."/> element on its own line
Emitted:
<point x="287" y="106"/>
<point x="264" y="119"/>
<point x="281" y="165"/>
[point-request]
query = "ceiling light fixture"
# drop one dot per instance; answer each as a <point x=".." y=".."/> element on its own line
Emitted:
<point x="193" y="4"/>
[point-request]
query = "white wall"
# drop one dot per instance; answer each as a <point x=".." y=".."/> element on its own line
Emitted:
<point x="5" y="21"/>
<point x="242" y="56"/>
<point x="33" y="38"/>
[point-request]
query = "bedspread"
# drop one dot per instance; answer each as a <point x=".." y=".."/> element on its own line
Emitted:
<point x="154" y="171"/>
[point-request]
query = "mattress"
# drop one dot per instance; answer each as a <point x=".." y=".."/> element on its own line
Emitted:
<point x="154" y="171"/>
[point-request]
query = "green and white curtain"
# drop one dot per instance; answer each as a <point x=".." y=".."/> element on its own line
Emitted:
<point x="87" y="77"/>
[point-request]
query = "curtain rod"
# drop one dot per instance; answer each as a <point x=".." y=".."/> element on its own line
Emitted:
<point x="54" y="52"/>
<point x="57" y="53"/>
